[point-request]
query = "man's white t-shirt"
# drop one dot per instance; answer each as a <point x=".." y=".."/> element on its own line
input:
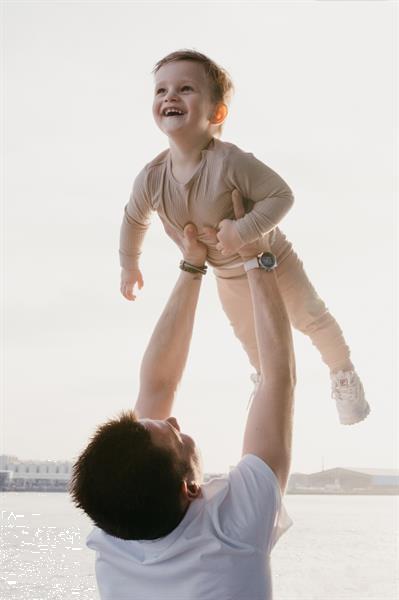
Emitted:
<point x="219" y="551"/>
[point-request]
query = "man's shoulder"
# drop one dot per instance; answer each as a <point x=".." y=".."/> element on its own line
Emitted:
<point x="251" y="463"/>
<point x="246" y="504"/>
<point x="249" y="469"/>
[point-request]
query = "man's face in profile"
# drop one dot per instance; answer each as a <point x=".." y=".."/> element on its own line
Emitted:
<point x="167" y="434"/>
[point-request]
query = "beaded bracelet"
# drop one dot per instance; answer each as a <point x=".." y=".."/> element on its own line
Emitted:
<point x="185" y="266"/>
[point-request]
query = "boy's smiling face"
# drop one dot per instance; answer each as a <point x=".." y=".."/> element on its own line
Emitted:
<point x="183" y="86"/>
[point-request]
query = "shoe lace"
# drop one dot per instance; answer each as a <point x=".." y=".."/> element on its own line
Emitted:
<point x="344" y="389"/>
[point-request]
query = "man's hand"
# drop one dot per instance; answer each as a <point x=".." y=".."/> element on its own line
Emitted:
<point x="128" y="280"/>
<point x="194" y="252"/>
<point x="246" y="251"/>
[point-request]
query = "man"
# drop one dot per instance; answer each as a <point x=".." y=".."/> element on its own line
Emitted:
<point x="162" y="534"/>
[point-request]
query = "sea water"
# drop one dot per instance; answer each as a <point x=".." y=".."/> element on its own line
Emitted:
<point x="339" y="548"/>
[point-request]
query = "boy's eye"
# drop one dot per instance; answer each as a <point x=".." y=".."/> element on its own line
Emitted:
<point x="188" y="87"/>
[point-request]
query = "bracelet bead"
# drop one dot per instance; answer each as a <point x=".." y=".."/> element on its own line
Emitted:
<point x="186" y="266"/>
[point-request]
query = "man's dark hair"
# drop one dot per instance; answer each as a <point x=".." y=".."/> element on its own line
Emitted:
<point x="221" y="86"/>
<point x="126" y="484"/>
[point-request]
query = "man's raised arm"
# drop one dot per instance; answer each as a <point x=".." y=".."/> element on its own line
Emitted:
<point x="166" y="355"/>
<point x="268" y="432"/>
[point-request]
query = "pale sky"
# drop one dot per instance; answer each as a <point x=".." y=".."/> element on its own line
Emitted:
<point x="314" y="101"/>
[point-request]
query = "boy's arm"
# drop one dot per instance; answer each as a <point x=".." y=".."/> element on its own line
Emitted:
<point x="268" y="195"/>
<point x="264" y="216"/>
<point x="136" y="220"/>
<point x="166" y="355"/>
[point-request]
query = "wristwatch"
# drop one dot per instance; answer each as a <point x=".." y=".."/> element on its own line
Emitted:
<point x="266" y="261"/>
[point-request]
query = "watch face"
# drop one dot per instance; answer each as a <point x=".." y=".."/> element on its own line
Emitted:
<point x="268" y="261"/>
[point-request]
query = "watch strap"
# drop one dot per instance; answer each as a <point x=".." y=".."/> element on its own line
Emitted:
<point x="253" y="263"/>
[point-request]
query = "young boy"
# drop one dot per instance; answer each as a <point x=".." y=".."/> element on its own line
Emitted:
<point x="193" y="182"/>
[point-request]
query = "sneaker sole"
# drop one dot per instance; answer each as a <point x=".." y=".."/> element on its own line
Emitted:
<point x="357" y="420"/>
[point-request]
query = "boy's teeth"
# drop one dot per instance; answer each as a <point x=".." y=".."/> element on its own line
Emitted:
<point x="173" y="113"/>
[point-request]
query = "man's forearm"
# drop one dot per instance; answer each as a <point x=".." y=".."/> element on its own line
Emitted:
<point x="270" y="421"/>
<point x="273" y="329"/>
<point x="166" y="355"/>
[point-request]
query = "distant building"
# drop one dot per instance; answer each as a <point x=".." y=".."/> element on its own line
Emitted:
<point x="297" y="482"/>
<point x="381" y="478"/>
<point x="346" y="481"/>
<point x="31" y="475"/>
<point x="4" y="480"/>
<point x="6" y="459"/>
<point x="50" y="475"/>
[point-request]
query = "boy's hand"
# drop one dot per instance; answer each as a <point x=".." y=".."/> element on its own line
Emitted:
<point x="229" y="240"/>
<point x="246" y="251"/>
<point x="129" y="280"/>
<point x="252" y="249"/>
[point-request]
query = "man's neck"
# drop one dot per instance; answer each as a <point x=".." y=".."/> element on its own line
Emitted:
<point x="188" y="152"/>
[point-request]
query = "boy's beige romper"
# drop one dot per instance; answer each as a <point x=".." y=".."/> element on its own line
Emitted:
<point x="205" y="200"/>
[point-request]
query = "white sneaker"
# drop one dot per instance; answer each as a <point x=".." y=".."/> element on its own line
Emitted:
<point x="255" y="378"/>
<point x="348" y="393"/>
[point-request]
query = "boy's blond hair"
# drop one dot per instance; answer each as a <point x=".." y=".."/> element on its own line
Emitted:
<point x="220" y="83"/>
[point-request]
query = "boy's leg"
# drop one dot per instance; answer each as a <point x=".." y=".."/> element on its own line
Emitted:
<point x="309" y="314"/>
<point x="307" y="311"/>
<point x="235" y="297"/>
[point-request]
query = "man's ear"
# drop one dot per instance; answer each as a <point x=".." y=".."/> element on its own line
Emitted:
<point x="191" y="490"/>
<point x="219" y="114"/>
